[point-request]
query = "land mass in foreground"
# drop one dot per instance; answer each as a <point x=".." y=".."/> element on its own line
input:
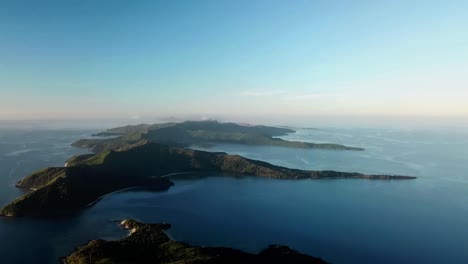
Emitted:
<point x="203" y="133"/>
<point x="64" y="190"/>
<point x="147" y="243"/>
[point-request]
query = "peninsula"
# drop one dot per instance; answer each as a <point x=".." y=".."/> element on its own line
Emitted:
<point x="147" y="243"/>
<point x="64" y="190"/>
<point x="199" y="133"/>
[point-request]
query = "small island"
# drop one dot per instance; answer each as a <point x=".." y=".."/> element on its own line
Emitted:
<point x="204" y="133"/>
<point x="147" y="243"/>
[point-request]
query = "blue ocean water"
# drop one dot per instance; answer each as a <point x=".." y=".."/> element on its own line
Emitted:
<point x="342" y="221"/>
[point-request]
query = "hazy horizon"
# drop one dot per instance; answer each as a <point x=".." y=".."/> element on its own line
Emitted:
<point x="340" y="122"/>
<point x="319" y="63"/>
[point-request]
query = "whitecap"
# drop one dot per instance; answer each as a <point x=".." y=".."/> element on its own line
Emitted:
<point x="19" y="152"/>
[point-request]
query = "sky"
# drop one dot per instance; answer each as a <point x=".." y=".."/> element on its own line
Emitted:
<point x="238" y="59"/>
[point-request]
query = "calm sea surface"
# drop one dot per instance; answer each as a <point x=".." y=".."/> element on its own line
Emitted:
<point x="342" y="221"/>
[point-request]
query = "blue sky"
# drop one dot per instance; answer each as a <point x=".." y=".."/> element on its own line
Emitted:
<point x="96" y="59"/>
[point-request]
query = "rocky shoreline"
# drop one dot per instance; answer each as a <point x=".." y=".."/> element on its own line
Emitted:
<point x="148" y="243"/>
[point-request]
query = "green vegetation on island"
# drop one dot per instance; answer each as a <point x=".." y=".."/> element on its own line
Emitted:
<point x="64" y="190"/>
<point x="199" y="133"/>
<point x="146" y="156"/>
<point x="147" y="243"/>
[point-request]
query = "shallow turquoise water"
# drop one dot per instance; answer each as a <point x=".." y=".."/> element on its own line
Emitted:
<point x="342" y="221"/>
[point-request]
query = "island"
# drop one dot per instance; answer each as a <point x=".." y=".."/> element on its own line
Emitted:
<point x="65" y="190"/>
<point x="203" y="133"/>
<point x="147" y="243"/>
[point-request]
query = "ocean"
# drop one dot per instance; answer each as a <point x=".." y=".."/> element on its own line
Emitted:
<point x="343" y="221"/>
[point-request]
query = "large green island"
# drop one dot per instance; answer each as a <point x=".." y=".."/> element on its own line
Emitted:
<point x="199" y="133"/>
<point x="148" y="244"/>
<point x="64" y="190"/>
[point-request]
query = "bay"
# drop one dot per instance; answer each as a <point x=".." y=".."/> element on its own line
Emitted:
<point x="342" y="221"/>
